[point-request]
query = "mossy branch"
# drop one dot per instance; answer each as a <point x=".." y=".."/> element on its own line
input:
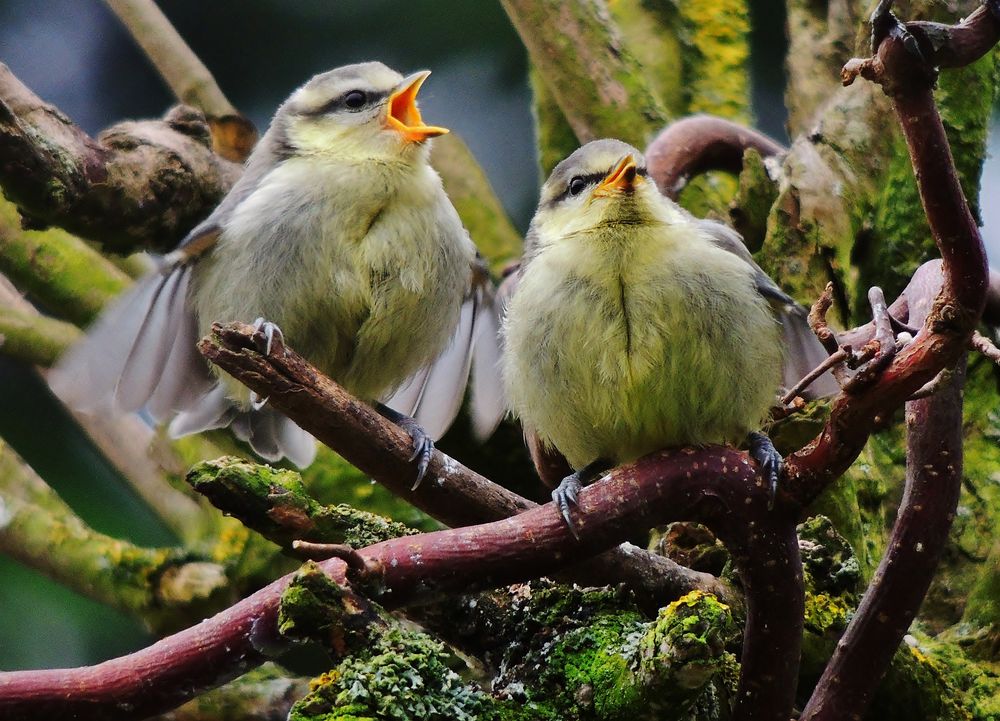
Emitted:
<point x="165" y="587"/>
<point x="595" y="80"/>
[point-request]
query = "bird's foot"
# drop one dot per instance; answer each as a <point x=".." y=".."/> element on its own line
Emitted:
<point x="265" y="333"/>
<point x="423" y="444"/>
<point x="568" y="491"/>
<point x="762" y="450"/>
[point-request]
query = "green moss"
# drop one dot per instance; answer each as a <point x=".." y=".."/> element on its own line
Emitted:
<point x="902" y="239"/>
<point x="399" y="677"/>
<point x="755" y="195"/>
<point x="63" y="273"/>
<point x="275" y="503"/>
<point x="556" y="139"/>
<point x="588" y="658"/>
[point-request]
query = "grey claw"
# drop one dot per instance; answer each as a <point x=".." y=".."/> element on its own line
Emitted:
<point x="565" y="494"/>
<point x="771" y="463"/>
<point x="270" y="332"/>
<point x="423" y="447"/>
<point x="256" y="402"/>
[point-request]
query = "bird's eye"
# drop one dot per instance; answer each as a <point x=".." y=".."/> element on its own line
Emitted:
<point x="576" y="185"/>
<point x="355" y="99"/>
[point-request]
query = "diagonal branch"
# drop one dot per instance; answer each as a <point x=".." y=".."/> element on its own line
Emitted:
<point x="452" y="493"/>
<point x="717" y="486"/>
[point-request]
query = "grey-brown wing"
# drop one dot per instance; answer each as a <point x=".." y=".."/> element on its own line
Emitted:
<point x="433" y="395"/>
<point x="803" y="351"/>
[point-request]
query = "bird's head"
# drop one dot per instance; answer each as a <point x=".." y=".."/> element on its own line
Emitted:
<point x="602" y="187"/>
<point x="357" y="112"/>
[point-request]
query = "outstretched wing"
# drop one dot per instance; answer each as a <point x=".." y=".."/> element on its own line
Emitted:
<point x="142" y="352"/>
<point x="433" y="395"/>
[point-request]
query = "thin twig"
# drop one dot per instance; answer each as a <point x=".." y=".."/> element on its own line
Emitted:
<point x="985" y="346"/>
<point x="837" y="358"/>
<point x="182" y="71"/>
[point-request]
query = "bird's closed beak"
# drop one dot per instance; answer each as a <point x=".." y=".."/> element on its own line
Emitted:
<point x="404" y="117"/>
<point x="623" y="178"/>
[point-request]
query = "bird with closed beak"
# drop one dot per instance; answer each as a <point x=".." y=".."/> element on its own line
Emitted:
<point x="338" y="236"/>
<point x="633" y="327"/>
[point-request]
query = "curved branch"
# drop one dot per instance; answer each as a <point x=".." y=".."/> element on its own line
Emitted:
<point x="452" y="493"/>
<point x="716" y="486"/>
<point x="919" y="535"/>
<point x="964" y="271"/>
<point x="701" y="143"/>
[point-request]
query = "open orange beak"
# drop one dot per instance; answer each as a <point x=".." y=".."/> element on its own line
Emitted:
<point x="623" y="178"/>
<point x="404" y="116"/>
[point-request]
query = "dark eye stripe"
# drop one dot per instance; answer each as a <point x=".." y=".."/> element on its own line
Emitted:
<point x="591" y="179"/>
<point x="374" y="98"/>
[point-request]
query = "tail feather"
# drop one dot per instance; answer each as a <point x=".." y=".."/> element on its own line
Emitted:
<point x="213" y="410"/>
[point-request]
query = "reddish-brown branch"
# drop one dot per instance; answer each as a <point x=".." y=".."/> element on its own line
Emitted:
<point x="954" y="46"/>
<point x="452" y="493"/>
<point x="933" y="484"/>
<point x="700" y="143"/>
<point x="963" y="270"/>
<point x="139" y="185"/>
<point x="715" y="486"/>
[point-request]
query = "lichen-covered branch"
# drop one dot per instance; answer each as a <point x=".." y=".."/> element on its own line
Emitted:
<point x="34" y="338"/>
<point x="61" y="273"/>
<point x="275" y="503"/>
<point x="595" y="80"/>
<point x="163" y="586"/>
<point x="137" y="185"/>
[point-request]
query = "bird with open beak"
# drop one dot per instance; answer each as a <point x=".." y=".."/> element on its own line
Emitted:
<point x="631" y="328"/>
<point x="339" y="234"/>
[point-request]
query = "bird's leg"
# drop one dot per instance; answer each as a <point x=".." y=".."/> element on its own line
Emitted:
<point x="269" y="331"/>
<point x="762" y="450"/>
<point x="568" y="490"/>
<point x="423" y="446"/>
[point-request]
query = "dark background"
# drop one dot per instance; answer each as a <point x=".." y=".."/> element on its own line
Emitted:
<point x="74" y="54"/>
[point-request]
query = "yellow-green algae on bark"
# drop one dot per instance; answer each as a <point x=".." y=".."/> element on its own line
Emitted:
<point x="275" y="503"/>
<point x="595" y="79"/>
<point x="33" y="338"/>
<point x="165" y="587"/>
<point x="60" y="271"/>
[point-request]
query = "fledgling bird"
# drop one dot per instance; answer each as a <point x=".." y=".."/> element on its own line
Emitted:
<point x="339" y="234"/>
<point x="633" y="327"/>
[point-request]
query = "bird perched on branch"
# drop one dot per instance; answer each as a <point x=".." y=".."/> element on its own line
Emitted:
<point x="339" y="234"/>
<point x="635" y="326"/>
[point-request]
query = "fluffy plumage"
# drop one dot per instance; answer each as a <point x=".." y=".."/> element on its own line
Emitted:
<point x="340" y="233"/>
<point x="631" y="329"/>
